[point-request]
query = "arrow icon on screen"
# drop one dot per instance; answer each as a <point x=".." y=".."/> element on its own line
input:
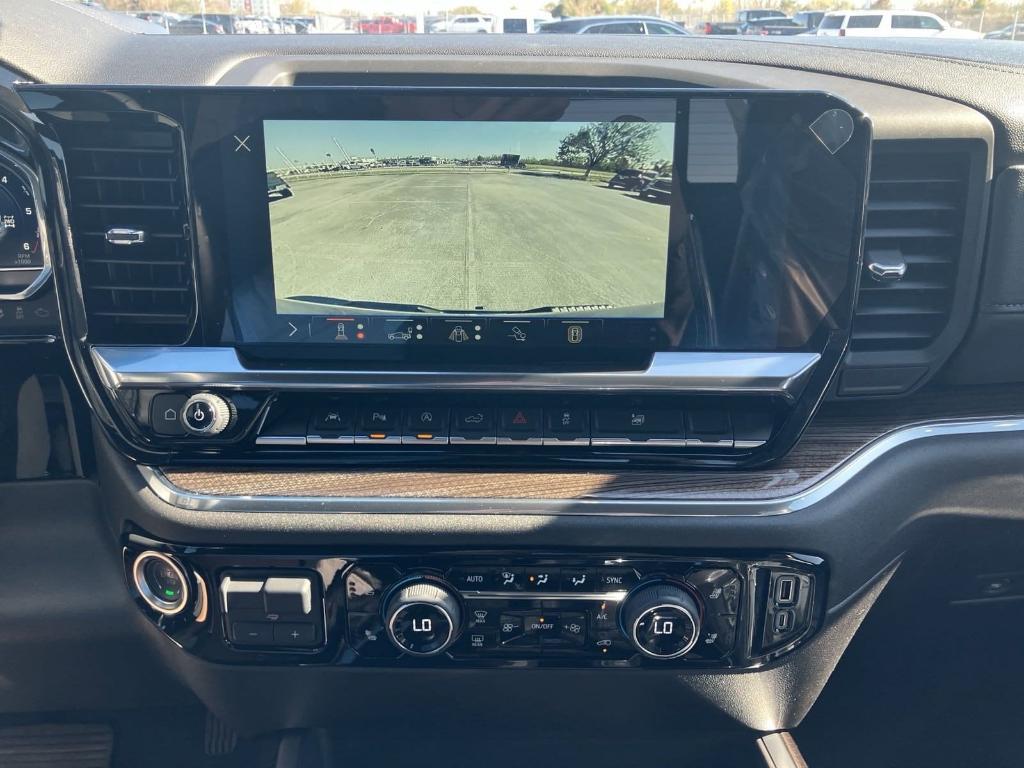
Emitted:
<point x="295" y="329"/>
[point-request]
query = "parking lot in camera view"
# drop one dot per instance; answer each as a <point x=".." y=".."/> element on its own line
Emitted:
<point x="490" y="239"/>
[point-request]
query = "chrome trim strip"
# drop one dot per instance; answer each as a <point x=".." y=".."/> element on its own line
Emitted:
<point x="460" y="440"/>
<point x="43" y="339"/>
<point x="282" y="440"/>
<point x="779" y="750"/>
<point x="367" y="440"/>
<point x="615" y="597"/>
<point x="782" y="373"/>
<point x="747" y="444"/>
<point x="639" y="442"/>
<point x="202" y="599"/>
<point x="413" y="440"/>
<point x="691" y="507"/>
<point x="321" y="440"/>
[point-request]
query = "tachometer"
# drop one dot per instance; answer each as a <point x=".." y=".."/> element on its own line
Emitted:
<point x="19" y="226"/>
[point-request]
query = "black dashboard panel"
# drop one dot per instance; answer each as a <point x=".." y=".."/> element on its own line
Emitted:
<point x="471" y="609"/>
<point x="169" y="212"/>
<point x="869" y="486"/>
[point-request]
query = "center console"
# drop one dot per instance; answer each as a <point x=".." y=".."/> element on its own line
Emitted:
<point x="473" y="609"/>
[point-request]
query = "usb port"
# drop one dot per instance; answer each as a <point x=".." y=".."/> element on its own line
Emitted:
<point x="785" y="590"/>
<point x="783" y="622"/>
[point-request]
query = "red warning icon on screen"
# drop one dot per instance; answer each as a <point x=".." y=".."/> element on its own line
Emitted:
<point x="519" y="418"/>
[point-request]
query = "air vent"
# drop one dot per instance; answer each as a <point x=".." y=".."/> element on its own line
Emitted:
<point x="127" y="173"/>
<point x="916" y="209"/>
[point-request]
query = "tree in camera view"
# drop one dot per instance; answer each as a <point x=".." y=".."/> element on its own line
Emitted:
<point x="608" y="146"/>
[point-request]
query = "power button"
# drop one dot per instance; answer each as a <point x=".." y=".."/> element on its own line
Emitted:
<point x="206" y="414"/>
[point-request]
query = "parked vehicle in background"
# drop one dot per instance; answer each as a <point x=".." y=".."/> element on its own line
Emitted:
<point x="303" y="24"/>
<point x="164" y="19"/>
<point x="251" y="25"/>
<point x="889" y="24"/>
<point x="720" y="27"/>
<point x="614" y="25"/>
<point x="387" y="25"/>
<point x="277" y="188"/>
<point x="195" y="27"/>
<point x="743" y="19"/>
<point x="471" y="23"/>
<point x="658" y="189"/>
<point x="756" y="14"/>
<point x="1009" y="32"/>
<point x="520" y="24"/>
<point x="773" y="27"/>
<point x="631" y="179"/>
<point x="809" y="20"/>
<point x="226" y="21"/>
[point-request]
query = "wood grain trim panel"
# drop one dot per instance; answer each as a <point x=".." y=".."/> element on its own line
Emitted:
<point x="838" y="432"/>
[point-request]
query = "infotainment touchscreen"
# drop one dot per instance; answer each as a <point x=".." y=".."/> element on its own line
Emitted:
<point x="566" y="218"/>
<point x="527" y="224"/>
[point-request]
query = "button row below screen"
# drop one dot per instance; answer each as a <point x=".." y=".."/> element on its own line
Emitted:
<point x="335" y="423"/>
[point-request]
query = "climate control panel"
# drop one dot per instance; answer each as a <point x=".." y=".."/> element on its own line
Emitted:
<point x="670" y="610"/>
<point x="465" y="609"/>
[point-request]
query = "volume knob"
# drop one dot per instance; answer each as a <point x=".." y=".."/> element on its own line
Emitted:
<point x="662" y="620"/>
<point x="423" y="619"/>
<point x="206" y="414"/>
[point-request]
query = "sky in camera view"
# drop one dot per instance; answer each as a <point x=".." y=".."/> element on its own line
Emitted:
<point x="309" y="141"/>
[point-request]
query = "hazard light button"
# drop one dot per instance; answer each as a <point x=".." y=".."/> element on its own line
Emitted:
<point x="520" y="425"/>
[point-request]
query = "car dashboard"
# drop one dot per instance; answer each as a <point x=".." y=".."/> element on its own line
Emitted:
<point x="316" y="451"/>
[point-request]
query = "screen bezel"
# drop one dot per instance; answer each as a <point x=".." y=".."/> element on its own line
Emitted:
<point x="243" y="230"/>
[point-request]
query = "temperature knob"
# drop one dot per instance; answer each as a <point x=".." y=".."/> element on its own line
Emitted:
<point x="662" y="620"/>
<point x="206" y="414"/>
<point x="422" y="619"/>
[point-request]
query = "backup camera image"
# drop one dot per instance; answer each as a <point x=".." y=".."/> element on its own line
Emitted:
<point x="567" y="218"/>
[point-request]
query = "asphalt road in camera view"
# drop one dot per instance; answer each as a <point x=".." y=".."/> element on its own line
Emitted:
<point x="466" y="240"/>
